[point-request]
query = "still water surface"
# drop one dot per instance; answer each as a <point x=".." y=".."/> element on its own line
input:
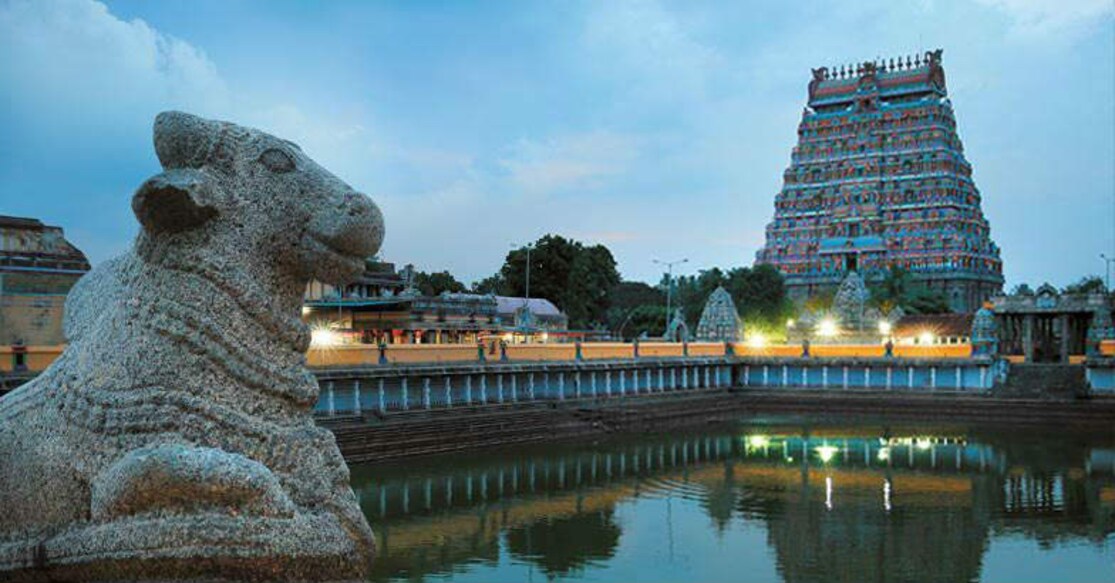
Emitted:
<point x="770" y="500"/>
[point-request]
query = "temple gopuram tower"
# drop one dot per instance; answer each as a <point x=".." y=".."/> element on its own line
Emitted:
<point x="879" y="179"/>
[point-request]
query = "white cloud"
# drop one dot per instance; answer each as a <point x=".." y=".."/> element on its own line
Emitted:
<point x="61" y="55"/>
<point x="1045" y="18"/>
<point x="568" y="162"/>
<point x="641" y="40"/>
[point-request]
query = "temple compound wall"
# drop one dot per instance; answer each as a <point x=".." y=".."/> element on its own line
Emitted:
<point x="878" y="179"/>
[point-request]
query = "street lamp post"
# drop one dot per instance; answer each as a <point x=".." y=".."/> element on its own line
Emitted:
<point x="669" y="283"/>
<point x="1107" y="265"/>
<point x="528" y="247"/>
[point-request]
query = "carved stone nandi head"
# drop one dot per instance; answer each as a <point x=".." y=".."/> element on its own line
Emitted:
<point x="227" y="184"/>
<point x="173" y="439"/>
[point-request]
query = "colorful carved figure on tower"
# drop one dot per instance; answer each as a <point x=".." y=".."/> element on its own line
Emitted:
<point x="173" y="439"/>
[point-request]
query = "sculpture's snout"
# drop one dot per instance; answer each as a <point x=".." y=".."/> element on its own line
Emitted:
<point x="352" y="228"/>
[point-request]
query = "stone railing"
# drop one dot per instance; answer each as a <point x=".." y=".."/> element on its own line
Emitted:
<point x="37" y="358"/>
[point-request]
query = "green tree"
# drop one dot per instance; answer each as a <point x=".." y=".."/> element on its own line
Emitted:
<point x="577" y="278"/>
<point x="432" y="284"/>
<point x="898" y="289"/>
<point x="647" y="319"/>
<point x="493" y="284"/>
<point x="1086" y="285"/>
<point x="760" y="296"/>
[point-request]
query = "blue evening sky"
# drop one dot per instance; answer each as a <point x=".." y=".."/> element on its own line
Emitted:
<point x="658" y="128"/>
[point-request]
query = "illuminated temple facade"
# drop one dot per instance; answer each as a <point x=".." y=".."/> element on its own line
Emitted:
<point x="878" y="179"/>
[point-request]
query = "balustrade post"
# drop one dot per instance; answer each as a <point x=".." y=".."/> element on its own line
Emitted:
<point x="561" y="385"/>
<point x="530" y="385"/>
<point x="499" y="388"/>
<point x="958" y="379"/>
<point x="844" y="382"/>
<point x="867" y="377"/>
<point x="608" y="383"/>
<point x="932" y="378"/>
<point x="825" y="377"/>
<point x="382" y="397"/>
<point x="514" y="388"/>
<point x="910" y="377"/>
<point x="356" y="396"/>
<point x="426" y="392"/>
<point x="484" y="389"/>
<point x="448" y="392"/>
<point x="661" y="380"/>
<point x="329" y="402"/>
<point x="622" y="382"/>
<point x="468" y="389"/>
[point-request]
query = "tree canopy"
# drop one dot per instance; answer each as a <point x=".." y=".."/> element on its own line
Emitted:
<point x="1087" y="285"/>
<point x="759" y="294"/>
<point x="432" y="284"/>
<point x="898" y="289"/>
<point x="577" y="278"/>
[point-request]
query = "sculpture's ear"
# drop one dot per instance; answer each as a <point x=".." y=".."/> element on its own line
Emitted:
<point x="174" y="201"/>
<point x="183" y="140"/>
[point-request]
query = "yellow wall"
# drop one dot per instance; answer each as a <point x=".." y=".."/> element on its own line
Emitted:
<point x="934" y="351"/>
<point x="597" y="350"/>
<point x="1107" y="347"/>
<point x="38" y="357"/>
<point x="520" y="352"/>
<point x="704" y="349"/>
<point x="656" y="349"/>
<point x="780" y="350"/>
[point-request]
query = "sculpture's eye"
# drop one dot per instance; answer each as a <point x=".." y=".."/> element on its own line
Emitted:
<point x="277" y="160"/>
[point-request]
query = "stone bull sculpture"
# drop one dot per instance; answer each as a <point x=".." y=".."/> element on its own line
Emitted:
<point x="173" y="438"/>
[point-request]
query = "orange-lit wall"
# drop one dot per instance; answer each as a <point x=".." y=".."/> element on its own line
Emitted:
<point x="599" y="350"/>
<point x="39" y="357"/>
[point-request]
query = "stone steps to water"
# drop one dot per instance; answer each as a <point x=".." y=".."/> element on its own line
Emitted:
<point x="1043" y="381"/>
<point x="421" y="433"/>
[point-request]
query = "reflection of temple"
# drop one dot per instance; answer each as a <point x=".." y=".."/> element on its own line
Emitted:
<point x="838" y="503"/>
<point x="879" y="179"/>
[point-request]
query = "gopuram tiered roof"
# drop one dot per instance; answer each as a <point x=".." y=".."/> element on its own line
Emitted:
<point x="879" y="179"/>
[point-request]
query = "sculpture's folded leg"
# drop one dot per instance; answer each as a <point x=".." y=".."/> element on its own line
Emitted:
<point x="180" y="479"/>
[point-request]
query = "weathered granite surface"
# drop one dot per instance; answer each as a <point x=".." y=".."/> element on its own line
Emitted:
<point x="173" y="440"/>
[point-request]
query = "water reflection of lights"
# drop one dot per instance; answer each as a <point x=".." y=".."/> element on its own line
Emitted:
<point x="886" y="495"/>
<point x="826" y="452"/>
<point x="828" y="492"/>
<point x="923" y="443"/>
<point x="758" y="441"/>
<point x="883" y="454"/>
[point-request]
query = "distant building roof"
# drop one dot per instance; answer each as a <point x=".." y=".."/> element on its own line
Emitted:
<point x="938" y="324"/>
<point x="20" y="222"/>
<point x="538" y="306"/>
